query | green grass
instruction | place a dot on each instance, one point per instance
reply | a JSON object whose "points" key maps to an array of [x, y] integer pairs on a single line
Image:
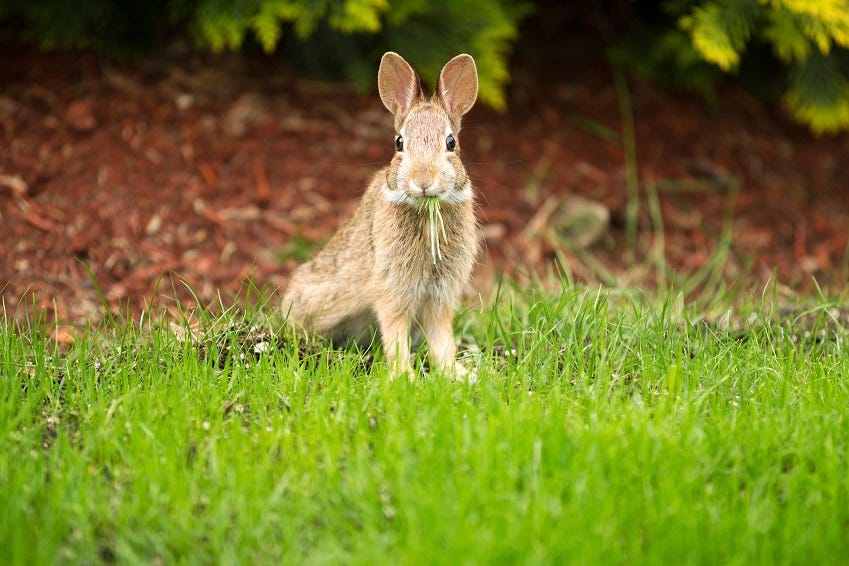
{"points": [[603, 428]]}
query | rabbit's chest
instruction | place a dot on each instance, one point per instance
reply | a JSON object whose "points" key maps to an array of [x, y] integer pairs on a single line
{"points": [[419, 276], [421, 265], [426, 287]]}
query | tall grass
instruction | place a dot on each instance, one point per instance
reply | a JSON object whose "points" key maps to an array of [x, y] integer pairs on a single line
{"points": [[604, 427]]}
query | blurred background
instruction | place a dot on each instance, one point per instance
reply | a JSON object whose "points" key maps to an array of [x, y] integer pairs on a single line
{"points": [[192, 150]]}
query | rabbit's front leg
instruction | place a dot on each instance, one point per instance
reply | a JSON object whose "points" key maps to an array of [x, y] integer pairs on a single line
{"points": [[395, 336], [439, 332]]}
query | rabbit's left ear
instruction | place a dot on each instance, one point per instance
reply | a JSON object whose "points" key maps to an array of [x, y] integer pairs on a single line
{"points": [[458, 86]]}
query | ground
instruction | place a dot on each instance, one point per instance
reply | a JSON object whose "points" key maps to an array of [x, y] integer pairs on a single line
{"points": [[186, 175]]}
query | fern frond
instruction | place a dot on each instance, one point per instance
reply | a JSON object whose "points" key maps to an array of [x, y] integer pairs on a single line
{"points": [[266, 27], [822, 21], [819, 94], [356, 16], [786, 33], [720, 31]]}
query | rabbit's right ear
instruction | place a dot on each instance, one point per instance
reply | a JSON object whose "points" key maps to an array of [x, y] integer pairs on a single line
{"points": [[398, 84], [458, 86]]}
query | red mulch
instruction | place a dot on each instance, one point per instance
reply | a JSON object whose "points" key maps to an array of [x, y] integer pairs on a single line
{"points": [[216, 170]]}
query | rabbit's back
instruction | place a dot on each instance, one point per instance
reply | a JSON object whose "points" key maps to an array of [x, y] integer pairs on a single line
{"points": [[332, 289]]}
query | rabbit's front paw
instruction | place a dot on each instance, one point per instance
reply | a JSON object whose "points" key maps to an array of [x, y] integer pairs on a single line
{"points": [[459, 372], [401, 370]]}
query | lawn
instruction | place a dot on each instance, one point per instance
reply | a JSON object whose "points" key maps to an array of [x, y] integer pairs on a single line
{"points": [[604, 427]]}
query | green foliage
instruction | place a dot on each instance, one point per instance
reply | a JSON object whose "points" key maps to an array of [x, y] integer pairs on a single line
{"points": [[720, 32], [809, 38], [691, 44], [427, 33], [326, 35], [819, 93], [224, 23]]}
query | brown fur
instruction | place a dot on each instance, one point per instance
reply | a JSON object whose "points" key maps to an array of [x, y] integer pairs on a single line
{"points": [[378, 267]]}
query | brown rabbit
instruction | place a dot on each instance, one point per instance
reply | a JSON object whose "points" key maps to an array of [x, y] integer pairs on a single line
{"points": [[378, 267]]}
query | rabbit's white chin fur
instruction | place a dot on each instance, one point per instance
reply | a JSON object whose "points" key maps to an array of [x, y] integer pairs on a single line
{"points": [[454, 196]]}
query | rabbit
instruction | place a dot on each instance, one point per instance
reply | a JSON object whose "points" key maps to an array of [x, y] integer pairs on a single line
{"points": [[377, 270]]}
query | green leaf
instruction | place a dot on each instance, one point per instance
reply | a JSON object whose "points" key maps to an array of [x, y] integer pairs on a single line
{"points": [[788, 38], [355, 16], [819, 94], [267, 28], [720, 31], [825, 20], [710, 38]]}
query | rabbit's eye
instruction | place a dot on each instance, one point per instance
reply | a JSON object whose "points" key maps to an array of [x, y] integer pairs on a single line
{"points": [[399, 143], [450, 143]]}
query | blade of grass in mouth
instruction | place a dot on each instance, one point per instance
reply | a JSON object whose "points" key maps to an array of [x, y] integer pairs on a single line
{"points": [[436, 226]]}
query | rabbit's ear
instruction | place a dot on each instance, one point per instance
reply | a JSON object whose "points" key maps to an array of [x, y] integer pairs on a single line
{"points": [[397, 83], [458, 85]]}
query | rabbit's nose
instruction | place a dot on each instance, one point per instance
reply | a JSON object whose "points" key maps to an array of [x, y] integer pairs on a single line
{"points": [[423, 180]]}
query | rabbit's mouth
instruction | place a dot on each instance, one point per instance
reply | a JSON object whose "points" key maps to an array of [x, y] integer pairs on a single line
{"points": [[420, 200], [427, 189], [419, 196], [416, 198]]}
